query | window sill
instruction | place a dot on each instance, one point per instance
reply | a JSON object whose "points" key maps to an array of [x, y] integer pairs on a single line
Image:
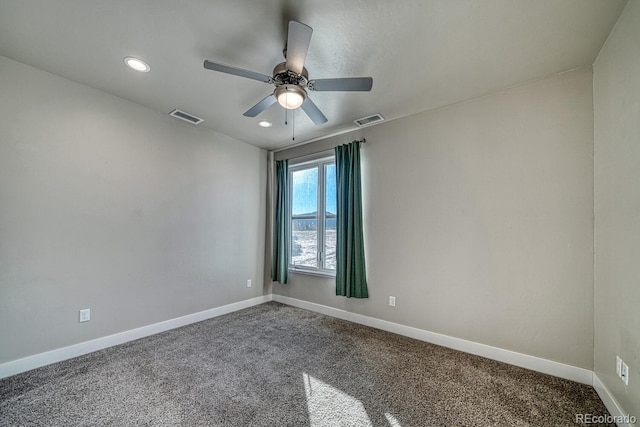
{"points": [[326, 275]]}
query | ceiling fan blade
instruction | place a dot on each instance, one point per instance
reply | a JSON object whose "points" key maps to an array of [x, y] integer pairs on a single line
{"points": [[313, 112], [216, 66], [348, 84], [297, 45], [260, 106]]}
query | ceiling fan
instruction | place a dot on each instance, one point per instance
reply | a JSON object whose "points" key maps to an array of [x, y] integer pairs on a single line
{"points": [[291, 79]]}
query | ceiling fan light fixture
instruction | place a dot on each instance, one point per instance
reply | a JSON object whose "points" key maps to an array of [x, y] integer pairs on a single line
{"points": [[290, 96], [137, 64]]}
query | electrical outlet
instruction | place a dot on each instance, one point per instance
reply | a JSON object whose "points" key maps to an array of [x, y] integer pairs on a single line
{"points": [[392, 301], [618, 366], [625, 373], [85, 315], [248, 283]]}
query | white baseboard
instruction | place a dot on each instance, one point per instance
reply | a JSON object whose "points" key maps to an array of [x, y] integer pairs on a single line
{"points": [[31, 362], [573, 373], [610, 402], [557, 369]]}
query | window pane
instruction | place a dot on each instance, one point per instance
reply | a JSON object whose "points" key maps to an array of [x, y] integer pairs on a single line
{"points": [[304, 224], [330, 219], [305, 192], [304, 250]]}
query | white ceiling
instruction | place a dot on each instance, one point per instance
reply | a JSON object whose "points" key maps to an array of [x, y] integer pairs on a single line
{"points": [[421, 53]]}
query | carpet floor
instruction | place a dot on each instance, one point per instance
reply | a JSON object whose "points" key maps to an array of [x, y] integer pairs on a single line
{"points": [[276, 365]]}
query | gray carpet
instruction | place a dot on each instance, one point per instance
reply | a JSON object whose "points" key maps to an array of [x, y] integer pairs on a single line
{"points": [[275, 365]]}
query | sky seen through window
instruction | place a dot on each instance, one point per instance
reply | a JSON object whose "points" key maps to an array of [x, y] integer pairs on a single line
{"points": [[305, 190]]}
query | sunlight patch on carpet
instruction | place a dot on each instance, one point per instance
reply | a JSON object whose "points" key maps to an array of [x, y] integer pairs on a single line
{"points": [[393, 421], [327, 405]]}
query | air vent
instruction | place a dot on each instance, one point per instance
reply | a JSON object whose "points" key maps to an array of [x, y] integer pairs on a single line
{"points": [[186, 117], [368, 121]]}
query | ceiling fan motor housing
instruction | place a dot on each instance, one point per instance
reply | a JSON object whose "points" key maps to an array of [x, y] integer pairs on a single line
{"points": [[284, 76]]}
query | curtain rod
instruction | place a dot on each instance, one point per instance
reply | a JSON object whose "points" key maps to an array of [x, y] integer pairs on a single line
{"points": [[362, 141], [303, 157], [320, 138]]}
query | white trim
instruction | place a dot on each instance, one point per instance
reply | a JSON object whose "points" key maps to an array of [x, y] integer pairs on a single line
{"points": [[609, 401], [327, 274], [319, 164], [301, 163], [573, 373], [31, 362], [557, 369]]}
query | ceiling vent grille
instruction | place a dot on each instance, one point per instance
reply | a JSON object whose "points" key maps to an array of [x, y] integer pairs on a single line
{"points": [[186, 117], [368, 121]]}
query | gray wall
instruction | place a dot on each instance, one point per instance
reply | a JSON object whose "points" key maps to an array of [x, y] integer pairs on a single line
{"points": [[478, 218], [616, 84], [108, 205]]}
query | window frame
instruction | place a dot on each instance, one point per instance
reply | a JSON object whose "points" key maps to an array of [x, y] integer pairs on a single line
{"points": [[321, 164]]}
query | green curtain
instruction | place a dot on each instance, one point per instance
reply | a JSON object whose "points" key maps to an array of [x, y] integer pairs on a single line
{"points": [[351, 280], [280, 256]]}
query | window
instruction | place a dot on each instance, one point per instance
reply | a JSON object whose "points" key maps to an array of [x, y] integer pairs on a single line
{"points": [[312, 215]]}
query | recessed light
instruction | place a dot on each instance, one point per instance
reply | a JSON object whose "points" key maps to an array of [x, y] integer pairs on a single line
{"points": [[137, 64], [265, 124]]}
